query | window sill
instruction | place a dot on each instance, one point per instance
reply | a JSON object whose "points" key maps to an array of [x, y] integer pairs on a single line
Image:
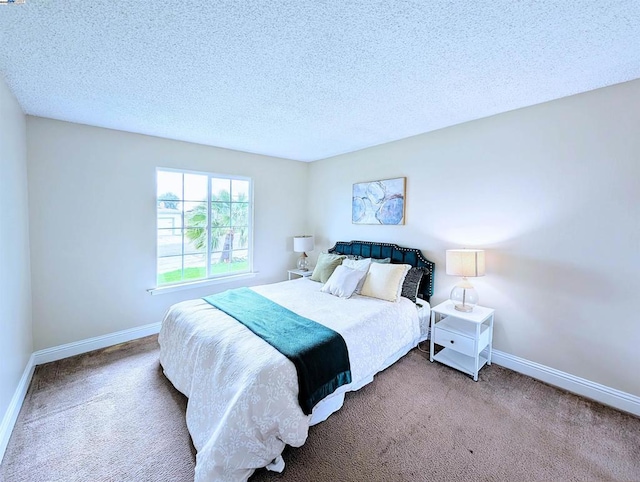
{"points": [[199, 284]]}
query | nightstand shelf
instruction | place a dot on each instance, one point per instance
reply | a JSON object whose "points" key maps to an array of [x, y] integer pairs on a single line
{"points": [[467, 338], [299, 272], [459, 361]]}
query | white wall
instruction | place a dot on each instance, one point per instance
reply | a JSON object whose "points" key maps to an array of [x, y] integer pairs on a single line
{"points": [[93, 228], [15, 289], [552, 192]]}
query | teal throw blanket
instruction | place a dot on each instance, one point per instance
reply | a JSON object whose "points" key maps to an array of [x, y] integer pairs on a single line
{"points": [[319, 354]]}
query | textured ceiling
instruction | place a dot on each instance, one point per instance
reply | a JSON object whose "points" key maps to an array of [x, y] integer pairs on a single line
{"points": [[307, 79]]}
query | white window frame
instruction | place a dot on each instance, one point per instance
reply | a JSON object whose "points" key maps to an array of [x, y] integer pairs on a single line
{"points": [[209, 278]]}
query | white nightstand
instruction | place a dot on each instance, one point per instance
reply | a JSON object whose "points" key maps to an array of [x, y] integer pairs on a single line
{"points": [[299, 272], [467, 337]]}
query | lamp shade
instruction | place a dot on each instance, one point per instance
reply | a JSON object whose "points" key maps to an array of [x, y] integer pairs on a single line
{"points": [[465, 262], [302, 244]]}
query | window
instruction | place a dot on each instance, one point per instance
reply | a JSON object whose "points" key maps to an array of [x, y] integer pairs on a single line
{"points": [[204, 224]]}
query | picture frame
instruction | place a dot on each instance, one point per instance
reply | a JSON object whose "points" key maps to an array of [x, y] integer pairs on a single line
{"points": [[379, 202]]}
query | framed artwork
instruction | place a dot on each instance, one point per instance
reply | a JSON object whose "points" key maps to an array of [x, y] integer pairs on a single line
{"points": [[378, 202]]}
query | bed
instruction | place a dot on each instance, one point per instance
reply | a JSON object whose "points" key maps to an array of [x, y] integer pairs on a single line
{"points": [[243, 394]]}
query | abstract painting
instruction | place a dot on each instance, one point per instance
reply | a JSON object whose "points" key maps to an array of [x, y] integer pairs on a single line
{"points": [[378, 202]]}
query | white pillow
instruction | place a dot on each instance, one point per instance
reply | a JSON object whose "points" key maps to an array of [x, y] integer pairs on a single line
{"points": [[343, 281], [384, 281], [360, 265]]}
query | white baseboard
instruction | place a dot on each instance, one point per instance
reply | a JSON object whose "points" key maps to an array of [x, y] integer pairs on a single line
{"points": [[11, 415], [580, 386], [83, 346]]}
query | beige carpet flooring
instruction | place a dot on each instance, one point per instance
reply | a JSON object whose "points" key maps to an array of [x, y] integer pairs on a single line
{"points": [[111, 415]]}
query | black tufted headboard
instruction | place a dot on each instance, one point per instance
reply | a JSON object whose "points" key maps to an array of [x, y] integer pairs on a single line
{"points": [[398, 255]]}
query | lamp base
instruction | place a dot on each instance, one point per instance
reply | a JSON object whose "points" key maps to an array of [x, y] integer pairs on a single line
{"points": [[463, 296], [302, 263], [465, 308]]}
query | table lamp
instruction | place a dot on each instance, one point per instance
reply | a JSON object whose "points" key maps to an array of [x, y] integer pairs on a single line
{"points": [[466, 263], [301, 244]]}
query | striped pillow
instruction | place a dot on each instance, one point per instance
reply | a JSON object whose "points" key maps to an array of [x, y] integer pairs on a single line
{"points": [[411, 284]]}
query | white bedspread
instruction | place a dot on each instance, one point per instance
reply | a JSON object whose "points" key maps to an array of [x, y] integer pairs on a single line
{"points": [[243, 393]]}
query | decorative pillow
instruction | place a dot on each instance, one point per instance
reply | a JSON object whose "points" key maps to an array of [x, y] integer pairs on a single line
{"points": [[361, 265], [343, 281], [325, 266], [411, 283], [381, 260], [384, 281]]}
